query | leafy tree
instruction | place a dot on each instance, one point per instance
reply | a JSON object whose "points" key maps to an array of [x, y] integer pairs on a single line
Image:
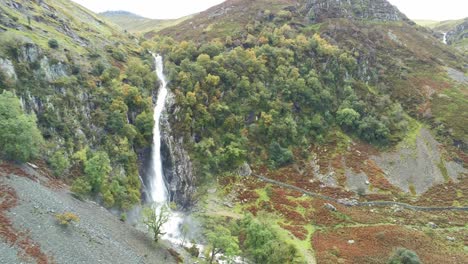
{"points": [[404, 256], [144, 123], [221, 241], [154, 218], [347, 117], [59, 163], [97, 170], [20, 139], [263, 245], [81, 187], [279, 156]]}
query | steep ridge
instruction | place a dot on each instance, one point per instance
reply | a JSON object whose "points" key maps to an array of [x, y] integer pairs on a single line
{"points": [[91, 88]]}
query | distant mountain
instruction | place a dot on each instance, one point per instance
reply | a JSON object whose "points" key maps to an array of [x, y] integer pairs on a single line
{"points": [[456, 32], [136, 24], [120, 13]]}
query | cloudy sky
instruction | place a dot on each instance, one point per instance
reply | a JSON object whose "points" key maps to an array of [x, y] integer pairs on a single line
{"points": [[414, 9]]}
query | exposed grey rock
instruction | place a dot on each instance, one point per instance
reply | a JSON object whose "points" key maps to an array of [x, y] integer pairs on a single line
{"points": [[245, 170], [432, 225], [419, 164], [356, 181], [377, 10], [98, 237], [178, 169], [52, 72], [457, 75], [451, 239], [330, 207], [29, 53], [459, 33], [6, 66]]}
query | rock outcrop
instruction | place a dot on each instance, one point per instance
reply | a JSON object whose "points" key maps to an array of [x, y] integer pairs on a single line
{"points": [[7, 68], [375, 10], [178, 169]]}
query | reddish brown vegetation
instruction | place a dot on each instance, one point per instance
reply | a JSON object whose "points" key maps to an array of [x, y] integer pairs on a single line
{"points": [[445, 194], [28, 249], [297, 230], [375, 245]]}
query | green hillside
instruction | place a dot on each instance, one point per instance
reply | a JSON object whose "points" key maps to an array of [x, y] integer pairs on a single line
{"points": [[137, 24], [90, 87], [294, 131]]}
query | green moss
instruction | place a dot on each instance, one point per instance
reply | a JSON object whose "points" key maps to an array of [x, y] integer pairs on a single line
{"points": [[443, 169], [451, 109], [412, 189], [409, 141]]}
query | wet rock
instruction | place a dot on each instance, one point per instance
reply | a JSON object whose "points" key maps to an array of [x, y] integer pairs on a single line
{"points": [[178, 169]]}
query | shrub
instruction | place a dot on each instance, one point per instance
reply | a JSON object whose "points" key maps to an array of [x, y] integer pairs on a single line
{"points": [[53, 44], [20, 139], [81, 187], [279, 156], [97, 169], [59, 163], [404, 256], [66, 218]]}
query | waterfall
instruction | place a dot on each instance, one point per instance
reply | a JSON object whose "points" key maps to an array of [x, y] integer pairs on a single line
{"points": [[444, 40], [158, 192]]}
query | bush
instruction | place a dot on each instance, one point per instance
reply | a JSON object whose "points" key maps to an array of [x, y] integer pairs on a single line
{"points": [[404, 256], [59, 163], [53, 44], [279, 156], [20, 139], [81, 187], [66, 218], [97, 169]]}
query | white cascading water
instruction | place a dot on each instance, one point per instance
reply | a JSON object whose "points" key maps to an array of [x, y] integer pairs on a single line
{"points": [[158, 191], [158, 187], [444, 40]]}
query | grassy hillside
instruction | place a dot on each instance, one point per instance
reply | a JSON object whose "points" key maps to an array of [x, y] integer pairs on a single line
{"points": [[310, 95], [90, 87], [427, 23], [137, 24]]}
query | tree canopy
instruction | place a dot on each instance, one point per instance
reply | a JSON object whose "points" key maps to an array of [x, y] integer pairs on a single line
{"points": [[20, 139]]}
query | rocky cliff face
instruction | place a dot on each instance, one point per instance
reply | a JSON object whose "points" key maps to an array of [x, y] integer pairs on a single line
{"points": [[459, 33], [375, 10], [178, 168]]}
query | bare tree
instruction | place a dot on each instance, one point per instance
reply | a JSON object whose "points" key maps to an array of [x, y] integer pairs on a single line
{"points": [[154, 218]]}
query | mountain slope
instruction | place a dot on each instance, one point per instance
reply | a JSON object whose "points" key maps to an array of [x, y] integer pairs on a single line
{"points": [[29, 203], [137, 24], [89, 86], [348, 99]]}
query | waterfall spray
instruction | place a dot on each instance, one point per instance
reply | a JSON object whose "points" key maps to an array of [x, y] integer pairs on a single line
{"points": [[157, 186]]}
